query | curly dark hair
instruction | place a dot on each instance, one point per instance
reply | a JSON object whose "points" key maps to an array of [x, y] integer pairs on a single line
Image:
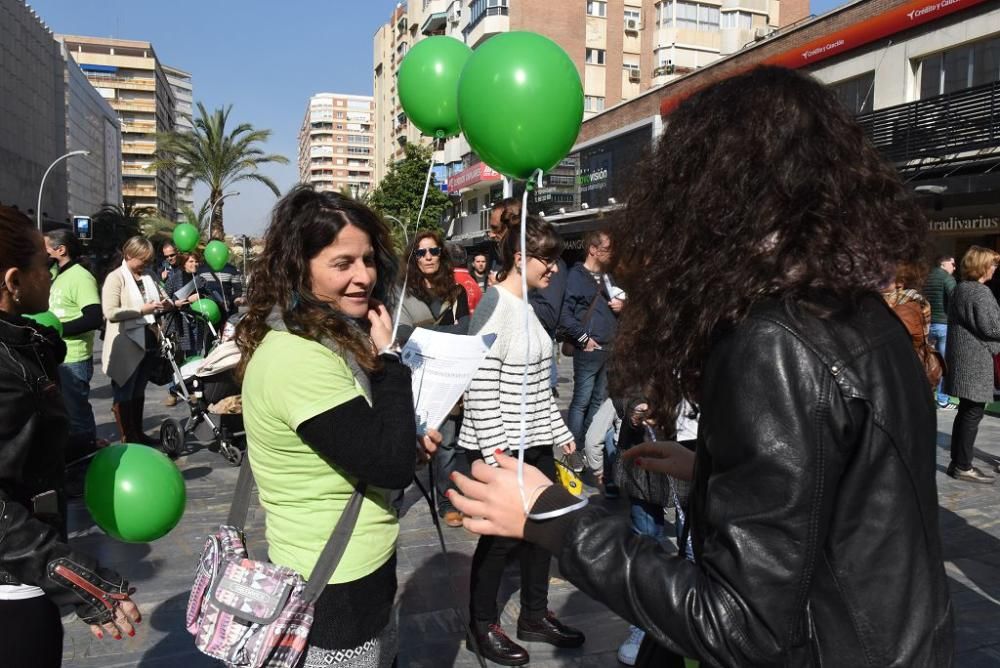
{"points": [[762, 186], [303, 223], [442, 284]]}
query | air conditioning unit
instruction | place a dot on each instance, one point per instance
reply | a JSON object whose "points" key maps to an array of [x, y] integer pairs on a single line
{"points": [[763, 31], [633, 75], [633, 25], [455, 13]]}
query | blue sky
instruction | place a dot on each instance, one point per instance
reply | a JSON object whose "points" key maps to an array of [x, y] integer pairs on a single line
{"points": [[262, 56]]}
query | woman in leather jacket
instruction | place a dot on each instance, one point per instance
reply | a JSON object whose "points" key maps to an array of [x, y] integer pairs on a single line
{"points": [[39, 571], [813, 510]]}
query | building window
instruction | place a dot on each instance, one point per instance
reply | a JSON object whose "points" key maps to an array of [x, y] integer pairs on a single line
{"points": [[687, 15], [855, 93], [960, 68], [480, 9], [595, 56], [740, 20], [633, 14], [597, 8], [593, 103]]}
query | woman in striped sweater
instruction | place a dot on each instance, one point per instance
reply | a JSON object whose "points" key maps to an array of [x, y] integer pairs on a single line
{"points": [[493, 422]]}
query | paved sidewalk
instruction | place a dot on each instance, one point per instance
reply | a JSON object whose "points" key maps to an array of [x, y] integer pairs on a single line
{"points": [[431, 589]]}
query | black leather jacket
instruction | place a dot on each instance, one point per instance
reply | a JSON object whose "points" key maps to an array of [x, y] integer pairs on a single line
{"points": [[814, 507], [34, 430]]}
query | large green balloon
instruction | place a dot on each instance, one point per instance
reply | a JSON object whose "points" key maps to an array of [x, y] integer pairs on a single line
{"points": [[216, 254], [520, 103], [134, 493], [428, 84], [48, 319], [185, 237], [208, 309]]}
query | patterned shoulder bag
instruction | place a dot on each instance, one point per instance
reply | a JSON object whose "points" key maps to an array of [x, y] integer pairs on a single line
{"points": [[255, 614]]}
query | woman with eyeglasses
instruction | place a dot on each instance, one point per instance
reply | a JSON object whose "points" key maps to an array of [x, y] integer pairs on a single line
{"points": [[434, 300], [493, 424], [39, 570], [130, 298]]}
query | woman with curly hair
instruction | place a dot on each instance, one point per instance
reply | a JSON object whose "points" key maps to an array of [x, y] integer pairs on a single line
{"points": [[327, 406], [434, 300], [813, 509]]}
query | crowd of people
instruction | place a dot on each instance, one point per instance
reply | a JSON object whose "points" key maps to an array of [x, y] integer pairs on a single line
{"points": [[777, 378]]}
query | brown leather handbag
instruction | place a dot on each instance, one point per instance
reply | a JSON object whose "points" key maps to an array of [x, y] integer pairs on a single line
{"points": [[911, 314]]}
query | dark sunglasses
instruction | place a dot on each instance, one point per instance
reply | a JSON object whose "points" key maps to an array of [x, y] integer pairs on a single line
{"points": [[420, 252], [171, 256]]}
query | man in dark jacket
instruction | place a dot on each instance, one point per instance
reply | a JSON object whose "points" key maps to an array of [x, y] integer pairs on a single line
{"points": [[589, 320], [940, 284]]}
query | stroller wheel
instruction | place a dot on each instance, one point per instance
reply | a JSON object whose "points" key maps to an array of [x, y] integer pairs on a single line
{"points": [[232, 454], [171, 437]]}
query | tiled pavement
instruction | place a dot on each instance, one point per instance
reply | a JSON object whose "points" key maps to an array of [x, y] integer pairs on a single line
{"points": [[431, 589]]}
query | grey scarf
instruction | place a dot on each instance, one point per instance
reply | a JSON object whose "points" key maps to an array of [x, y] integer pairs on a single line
{"points": [[276, 322]]}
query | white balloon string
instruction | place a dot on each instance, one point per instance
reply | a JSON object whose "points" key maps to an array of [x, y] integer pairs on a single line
{"points": [[406, 260], [522, 444]]}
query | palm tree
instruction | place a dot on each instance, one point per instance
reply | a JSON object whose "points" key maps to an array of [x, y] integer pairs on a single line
{"points": [[200, 218], [216, 157]]}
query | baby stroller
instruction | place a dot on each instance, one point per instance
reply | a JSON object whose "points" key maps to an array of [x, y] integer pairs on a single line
{"points": [[209, 389]]}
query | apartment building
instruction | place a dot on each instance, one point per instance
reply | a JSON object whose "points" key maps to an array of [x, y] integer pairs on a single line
{"points": [[337, 143], [622, 48], [182, 89], [128, 74]]}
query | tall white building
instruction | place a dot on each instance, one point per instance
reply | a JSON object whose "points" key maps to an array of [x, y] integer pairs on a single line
{"points": [[183, 92], [337, 143]]}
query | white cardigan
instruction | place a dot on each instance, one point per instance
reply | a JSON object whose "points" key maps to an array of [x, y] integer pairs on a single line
{"points": [[124, 336]]}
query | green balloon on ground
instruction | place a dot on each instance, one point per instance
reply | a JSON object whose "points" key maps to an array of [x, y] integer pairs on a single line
{"points": [[520, 103], [216, 254], [428, 84], [185, 237], [207, 309], [134, 493], [48, 319]]}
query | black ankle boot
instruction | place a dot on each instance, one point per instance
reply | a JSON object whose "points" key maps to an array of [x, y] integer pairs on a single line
{"points": [[495, 645], [549, 629]]}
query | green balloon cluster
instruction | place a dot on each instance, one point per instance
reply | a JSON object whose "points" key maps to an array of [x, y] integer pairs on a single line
{"points": [[517, 98], [185, 237], [428, 84], [47, 319], [207, 309], [134, 493], [520, 103], [216, 254]]}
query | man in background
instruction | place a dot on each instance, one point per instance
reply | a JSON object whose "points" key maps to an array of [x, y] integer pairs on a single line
{"points": [[938, 288], [473, 293]]}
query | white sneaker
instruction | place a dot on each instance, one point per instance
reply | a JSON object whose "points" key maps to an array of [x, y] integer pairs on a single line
{"points": [[629, 650]]}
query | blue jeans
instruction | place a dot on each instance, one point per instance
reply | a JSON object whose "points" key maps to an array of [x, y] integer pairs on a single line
{"points": [[647, 519], [74, 380], [590, 389], [445, 461], [610, 456], [938, 337]]}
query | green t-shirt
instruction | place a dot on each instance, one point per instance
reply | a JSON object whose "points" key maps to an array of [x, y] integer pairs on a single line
{"points": [[289, 380], [71, 291]]}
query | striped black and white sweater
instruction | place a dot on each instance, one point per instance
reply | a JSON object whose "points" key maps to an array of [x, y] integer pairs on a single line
{"points": [[493, 401]]}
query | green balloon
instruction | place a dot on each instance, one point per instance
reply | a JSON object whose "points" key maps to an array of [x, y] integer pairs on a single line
{"points": [[216, 254], [195, 358], [520, 103], [47, 319], [207, 309], [428, 84], [185, 237], [134, 493]]}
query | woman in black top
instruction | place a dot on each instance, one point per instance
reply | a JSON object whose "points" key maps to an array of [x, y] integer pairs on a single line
{"points": [[38, 569]]}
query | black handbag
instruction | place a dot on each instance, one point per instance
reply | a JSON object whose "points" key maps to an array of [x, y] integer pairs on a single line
{"points": [[159, 371], [643, 485]]}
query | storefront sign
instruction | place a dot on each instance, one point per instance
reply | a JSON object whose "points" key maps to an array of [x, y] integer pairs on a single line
{"points": [[470, 176], [954, 224]]}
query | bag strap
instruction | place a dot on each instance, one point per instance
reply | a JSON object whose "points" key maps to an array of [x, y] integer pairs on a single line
{"points": [[590, 309], [335, 546]]}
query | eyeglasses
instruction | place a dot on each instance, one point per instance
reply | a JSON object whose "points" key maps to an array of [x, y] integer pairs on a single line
{"points": [[603, 249], [550, 263], [171, 256], [420, 252]]}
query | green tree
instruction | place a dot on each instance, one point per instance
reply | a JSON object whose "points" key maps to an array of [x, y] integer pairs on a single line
{"points": [[216, 157], [400, 192]]}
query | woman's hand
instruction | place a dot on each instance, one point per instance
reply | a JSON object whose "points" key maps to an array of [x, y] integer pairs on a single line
{"points": [[126, 618], [381, 321], [569, 448], [427, 445], [149, 308], [667, 457], [639, 412], [491, 499]]}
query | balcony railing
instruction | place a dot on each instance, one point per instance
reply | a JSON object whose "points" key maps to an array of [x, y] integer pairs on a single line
{"points": [[941, 126]]}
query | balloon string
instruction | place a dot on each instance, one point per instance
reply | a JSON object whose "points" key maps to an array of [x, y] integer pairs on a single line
{"points": [[406, 238]]}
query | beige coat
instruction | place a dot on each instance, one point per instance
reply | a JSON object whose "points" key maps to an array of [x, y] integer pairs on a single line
{"points": [[122, 352]]}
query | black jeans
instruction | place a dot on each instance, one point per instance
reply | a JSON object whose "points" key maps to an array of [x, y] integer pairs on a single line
{"points": [[964, 431], [31, 635], [491, 556]]}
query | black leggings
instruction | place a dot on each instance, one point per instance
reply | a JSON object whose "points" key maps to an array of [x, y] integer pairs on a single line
{"points": [[31, 635], [964, 431], [491, 556]]}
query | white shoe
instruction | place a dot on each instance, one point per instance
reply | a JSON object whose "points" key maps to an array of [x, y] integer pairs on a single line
{"points": [[629, 650]]}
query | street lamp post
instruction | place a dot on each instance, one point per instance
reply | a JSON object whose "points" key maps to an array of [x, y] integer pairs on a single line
{"points": [[41, 188], [406, 233], [211, 208]]}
